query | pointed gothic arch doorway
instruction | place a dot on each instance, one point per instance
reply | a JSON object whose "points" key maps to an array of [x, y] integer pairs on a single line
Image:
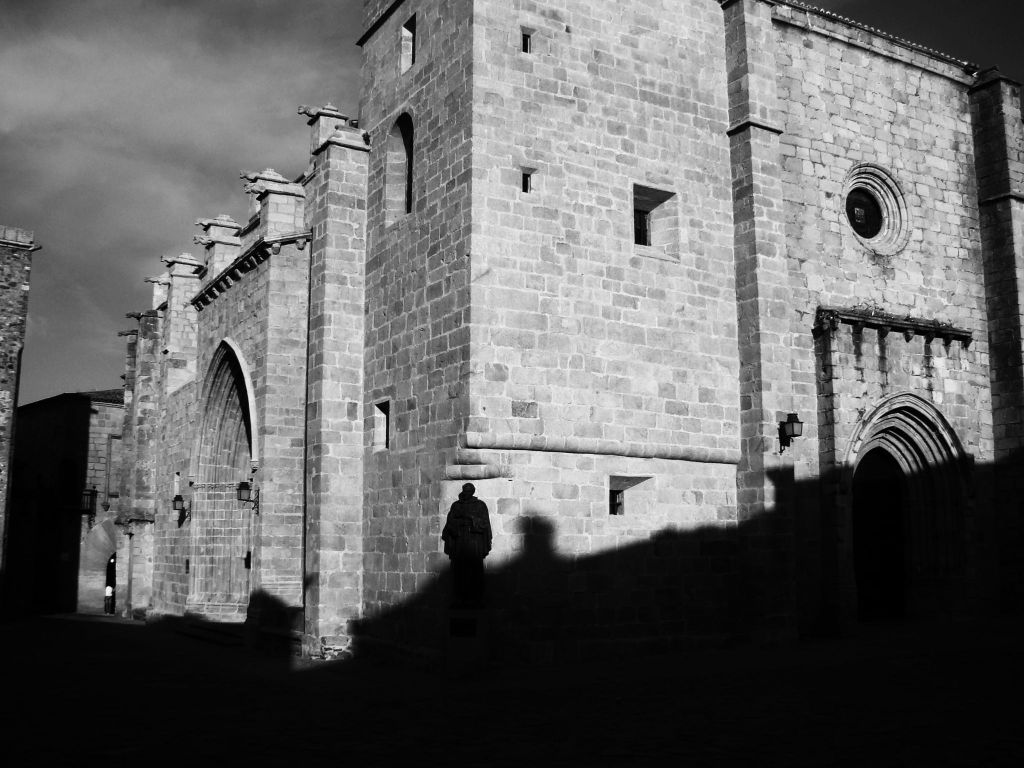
{"points": [[879, 537], [223, 530], [903, 532]]}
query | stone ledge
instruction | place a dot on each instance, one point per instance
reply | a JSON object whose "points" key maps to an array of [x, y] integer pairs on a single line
{"points": [[595, 446]]}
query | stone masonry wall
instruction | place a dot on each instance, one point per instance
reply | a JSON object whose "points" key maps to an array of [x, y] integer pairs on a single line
{"points": [[417, 296], [16, 246], [594, 358], [851, 98]]}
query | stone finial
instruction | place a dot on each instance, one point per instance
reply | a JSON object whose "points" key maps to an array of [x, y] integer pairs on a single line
{"points": [[328, 125]]}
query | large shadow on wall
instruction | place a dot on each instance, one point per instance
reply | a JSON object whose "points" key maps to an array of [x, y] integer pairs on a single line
{"points": [[789, 704], [47, 511], [855, 548]]}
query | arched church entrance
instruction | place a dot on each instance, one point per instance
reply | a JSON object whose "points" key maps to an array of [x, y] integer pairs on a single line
{"points": [[222, 528], [880, 537], [905, 543]]}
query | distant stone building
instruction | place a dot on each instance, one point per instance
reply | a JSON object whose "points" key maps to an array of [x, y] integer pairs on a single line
{"points": [[64, 504], [603, 260], [16, 247]]}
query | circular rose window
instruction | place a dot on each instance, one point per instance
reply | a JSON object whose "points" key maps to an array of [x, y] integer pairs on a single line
{"points": [[876, 209]]}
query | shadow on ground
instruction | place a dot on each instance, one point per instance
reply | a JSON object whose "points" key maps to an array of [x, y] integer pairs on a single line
{"points": [[921, 694]]}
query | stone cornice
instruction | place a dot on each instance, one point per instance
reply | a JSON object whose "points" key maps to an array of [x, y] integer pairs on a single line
{"points": [[252, 257], [346, 139], [593, 445], [828, 319], [15, 237], [30, 247], [797, 5]]}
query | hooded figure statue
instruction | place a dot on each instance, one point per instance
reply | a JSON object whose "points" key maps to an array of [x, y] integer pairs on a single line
{"points": [[467, 540]]}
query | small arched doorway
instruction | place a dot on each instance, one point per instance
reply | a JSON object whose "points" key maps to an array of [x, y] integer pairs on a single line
{"points": [[879, 537], [904, 544], [110, 590]]}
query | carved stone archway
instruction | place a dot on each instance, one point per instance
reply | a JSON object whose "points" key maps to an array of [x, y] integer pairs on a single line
{"points": [[222, 528], [913, 434]]}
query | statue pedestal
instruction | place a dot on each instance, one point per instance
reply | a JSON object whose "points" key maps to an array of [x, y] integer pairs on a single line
{"points": [[466, 651]]}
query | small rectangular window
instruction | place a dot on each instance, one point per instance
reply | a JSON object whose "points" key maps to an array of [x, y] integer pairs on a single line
{"points": [[656, 219], [186, 565], [527, 41], [619, 486], [382, 425], [527, 185], [409, 43]]}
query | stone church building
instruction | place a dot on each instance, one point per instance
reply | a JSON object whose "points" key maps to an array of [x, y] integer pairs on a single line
{"points": [[717, 303]]}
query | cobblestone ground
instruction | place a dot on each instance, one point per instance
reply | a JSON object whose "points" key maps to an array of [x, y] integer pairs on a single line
{"points": [[86, 690]]}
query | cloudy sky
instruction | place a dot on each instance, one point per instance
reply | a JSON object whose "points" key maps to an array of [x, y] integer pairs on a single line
{"points": [[122, 121]]}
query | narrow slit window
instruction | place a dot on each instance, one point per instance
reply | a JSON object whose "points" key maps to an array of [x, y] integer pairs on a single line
{"points": [[382, 425], [641, 227], [398, 179], [616, 502], [526, 40], [527, 180], [409, 44]]}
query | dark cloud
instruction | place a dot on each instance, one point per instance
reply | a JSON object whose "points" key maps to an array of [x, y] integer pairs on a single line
{"points": [[123, 121]]}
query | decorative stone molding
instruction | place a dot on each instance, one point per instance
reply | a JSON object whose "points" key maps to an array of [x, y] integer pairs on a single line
{"points": [[184, 259], [876, 182], [491, 441], [256, 254], [269, 181], [828, 319], [327, 110], [799, 14]]}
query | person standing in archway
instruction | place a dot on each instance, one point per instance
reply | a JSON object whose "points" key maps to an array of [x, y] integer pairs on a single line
{"points": [[467, 541]]}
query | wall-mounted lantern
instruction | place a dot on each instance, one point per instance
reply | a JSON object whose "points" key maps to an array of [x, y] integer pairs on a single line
{"points": [[182, 507], [789, 430], [245, 492]]}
